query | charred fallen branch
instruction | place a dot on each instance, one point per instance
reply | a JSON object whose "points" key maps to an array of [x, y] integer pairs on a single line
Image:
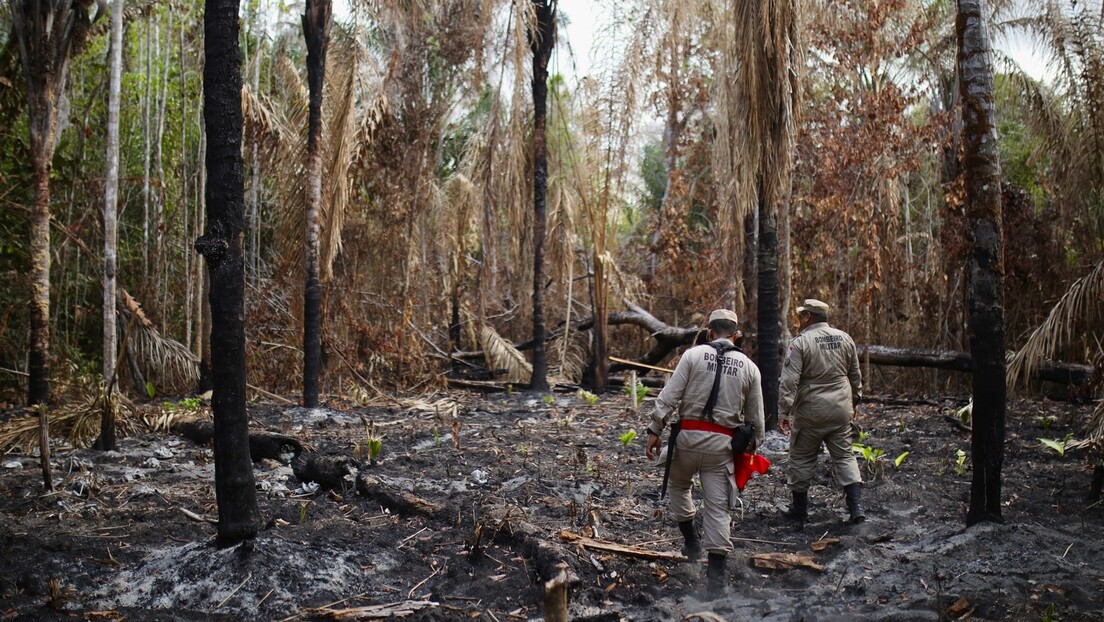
{"points": [[668, 338], [1051, 371]]}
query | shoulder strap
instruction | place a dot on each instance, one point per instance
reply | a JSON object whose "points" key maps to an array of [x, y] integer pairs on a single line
{"points": [[722, 349]]}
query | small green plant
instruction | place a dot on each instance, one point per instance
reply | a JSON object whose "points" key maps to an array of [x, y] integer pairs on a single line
{"points": [[1056, 445], [437, 435], [548, 400], [1048, 615], [303, 511], [627, 438], [588, 397], [966, 414], [1044, 422], [899, 459], [871, 455], [524, 450], [960, 462], [635, 390], [372, 444], [151, 391], [188, 403]]}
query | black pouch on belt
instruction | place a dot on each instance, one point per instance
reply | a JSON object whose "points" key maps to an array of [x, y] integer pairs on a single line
{"points": [[741, 438]]}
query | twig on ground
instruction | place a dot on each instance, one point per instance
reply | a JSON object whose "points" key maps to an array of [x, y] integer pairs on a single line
{"points": [[231, 594]]}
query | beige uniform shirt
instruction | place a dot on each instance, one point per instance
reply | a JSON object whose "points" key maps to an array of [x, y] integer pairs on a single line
{"points": [[820, 379], [739, 397]]}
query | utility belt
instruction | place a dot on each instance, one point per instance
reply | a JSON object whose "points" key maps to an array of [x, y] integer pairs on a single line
{"points": [[705, 426]]}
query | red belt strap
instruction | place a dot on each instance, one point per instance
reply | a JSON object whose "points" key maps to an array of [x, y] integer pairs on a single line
{"points": [[705, 426]]}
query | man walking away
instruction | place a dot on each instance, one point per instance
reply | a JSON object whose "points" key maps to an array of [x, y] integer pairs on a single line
{"points": [[715, 388], [820, 386]]}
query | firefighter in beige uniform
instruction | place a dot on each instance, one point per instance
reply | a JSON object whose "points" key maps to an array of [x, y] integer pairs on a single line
{"points": [[820, 386], [704, 445]]}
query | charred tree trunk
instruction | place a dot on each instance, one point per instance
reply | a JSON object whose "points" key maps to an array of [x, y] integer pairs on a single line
{"points": [[316, 29], [541, 42], [981, 166], [221, 246], [769, 330]]}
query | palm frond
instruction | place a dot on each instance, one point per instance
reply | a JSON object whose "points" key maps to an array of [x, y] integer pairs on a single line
{"points": [[502, 355], [341, 147], [166, 363], [568, 354], [1080, 310]]}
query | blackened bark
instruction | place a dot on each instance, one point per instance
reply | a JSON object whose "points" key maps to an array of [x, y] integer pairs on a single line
{"points": [[221, 246], [981, 167], [316, 30], [769, 329], [541, 43]]}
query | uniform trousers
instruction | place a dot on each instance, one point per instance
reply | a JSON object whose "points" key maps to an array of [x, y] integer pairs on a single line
{"points": [[805, 447]]}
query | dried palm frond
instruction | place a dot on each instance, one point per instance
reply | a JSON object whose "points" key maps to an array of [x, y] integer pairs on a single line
{"points": [[341, 148], [502, 355], [567, 358], [166, 363], [77, 422], [1079, 310]]}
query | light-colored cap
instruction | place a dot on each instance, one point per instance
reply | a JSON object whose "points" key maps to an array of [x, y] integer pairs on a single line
{"points": [[814, 306], [724, 314]]}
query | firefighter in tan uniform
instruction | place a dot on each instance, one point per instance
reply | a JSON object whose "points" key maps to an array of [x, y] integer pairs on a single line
{"points": [[820, 386], [704, 442]]}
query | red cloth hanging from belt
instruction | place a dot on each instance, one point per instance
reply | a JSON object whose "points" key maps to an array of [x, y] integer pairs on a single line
{"points": [[748, 465]]}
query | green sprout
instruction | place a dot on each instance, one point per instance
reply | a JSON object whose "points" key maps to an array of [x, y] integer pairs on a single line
{"points": [[872, 455], [899, 459], [303, 511], [588, 397], [1056, 445], [960, 462], [375, 445], [635, 390], [548, 400], [627, 438], [372, 443]]}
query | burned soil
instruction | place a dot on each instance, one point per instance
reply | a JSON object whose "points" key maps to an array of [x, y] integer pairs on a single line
{"points": [[473, 502]]}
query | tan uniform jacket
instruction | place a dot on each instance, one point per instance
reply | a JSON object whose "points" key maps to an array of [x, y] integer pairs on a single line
{"points": [[739, 398], [820, 380]]}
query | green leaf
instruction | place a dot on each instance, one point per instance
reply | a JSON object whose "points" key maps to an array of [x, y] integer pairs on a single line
{"points": [[899, 459], [1058, 446], [150, 391]]}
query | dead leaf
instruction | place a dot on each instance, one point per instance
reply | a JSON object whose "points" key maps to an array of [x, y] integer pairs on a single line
{"points": [[784, 561], [959, 608], [821, 545]]}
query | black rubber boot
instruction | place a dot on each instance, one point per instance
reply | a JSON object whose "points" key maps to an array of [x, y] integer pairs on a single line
{"points": [[800, 508], [692, 549], [715, 575], [854, 502]]}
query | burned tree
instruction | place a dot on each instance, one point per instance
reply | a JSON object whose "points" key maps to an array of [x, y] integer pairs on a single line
{"points": [[221, 246]]}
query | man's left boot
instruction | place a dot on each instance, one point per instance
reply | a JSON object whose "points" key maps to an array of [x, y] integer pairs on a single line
{"points": [[715, 575], [692, 548], [854, 502]]}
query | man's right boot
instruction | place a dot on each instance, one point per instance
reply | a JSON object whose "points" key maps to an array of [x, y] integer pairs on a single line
{"points": [[692, 548], [800, 508], [715, 575], [854, 503]]}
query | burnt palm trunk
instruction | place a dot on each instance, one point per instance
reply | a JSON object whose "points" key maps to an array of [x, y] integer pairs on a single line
{"points": [[221, 247], [541, 43], [981, 167], [316, 30], [769, 330]]}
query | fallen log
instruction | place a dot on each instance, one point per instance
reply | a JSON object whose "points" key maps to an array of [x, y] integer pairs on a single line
{"points": [[1052, 371], [668, 338], [396, 500]]}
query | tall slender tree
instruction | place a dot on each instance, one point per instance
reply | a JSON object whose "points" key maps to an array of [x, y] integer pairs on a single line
{"points": [[48, 32], [221, 247], [541, 41], [111, 188], [316, 30], [981, 168]]}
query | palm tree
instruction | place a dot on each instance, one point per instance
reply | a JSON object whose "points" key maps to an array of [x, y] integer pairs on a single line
{"points": [[316, 30], [767, 32], [221, 246], [48, 34], [541, 40], [981, 167]]}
